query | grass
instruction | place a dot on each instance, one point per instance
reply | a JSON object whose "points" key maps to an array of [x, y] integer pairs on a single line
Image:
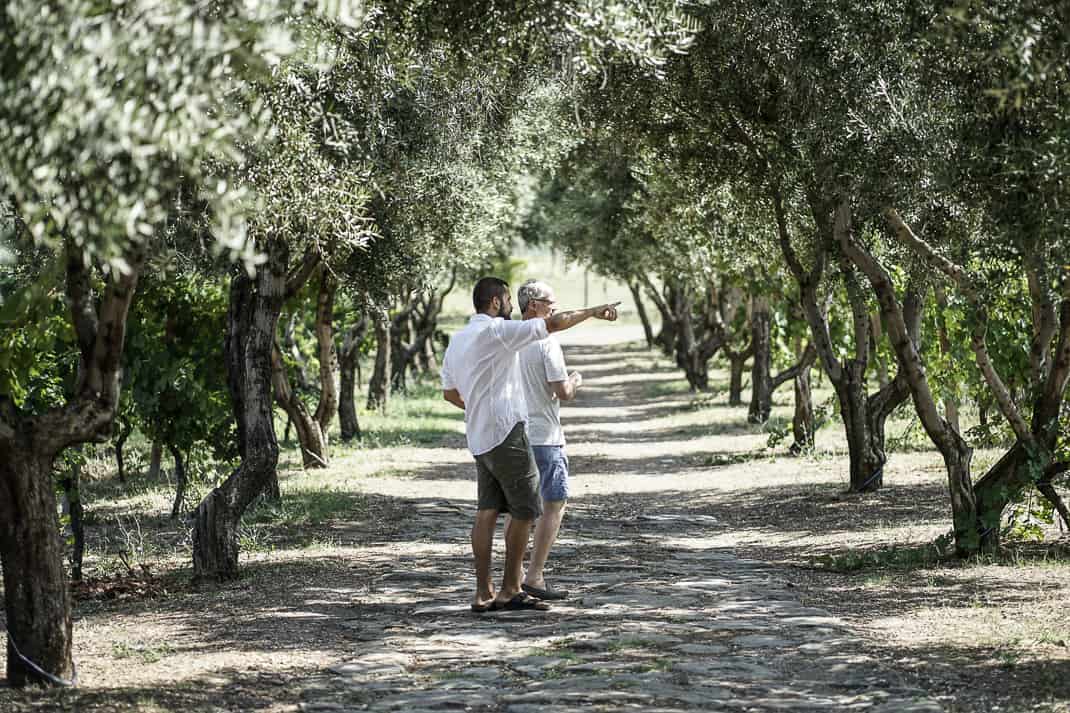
{"points": [[881, 559], [144, 653], [659, 389], [309, 505]]}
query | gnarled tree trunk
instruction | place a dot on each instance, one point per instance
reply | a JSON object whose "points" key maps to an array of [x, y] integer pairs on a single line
{"points": [[666, 336], [180, 481], [737, 364], [640, 309], [761, 380], [72, 506], [379, 384], [253, 316], [803, 426], [120, 442], [155, 461], [309, 434], [863, 415], [1031, 461], [903, 323], [402, 336], [36, 599], [347, 374]]}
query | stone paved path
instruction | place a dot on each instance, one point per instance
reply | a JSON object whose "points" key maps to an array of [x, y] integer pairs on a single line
{"points": [[656, 623]]}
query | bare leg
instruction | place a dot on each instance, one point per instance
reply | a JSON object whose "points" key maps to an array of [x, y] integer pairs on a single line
{"points": [[482, 544], [545, 535], [516, 542]]}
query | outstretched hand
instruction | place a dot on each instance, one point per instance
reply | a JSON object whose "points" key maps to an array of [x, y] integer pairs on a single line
{"points": [[607, 312]]}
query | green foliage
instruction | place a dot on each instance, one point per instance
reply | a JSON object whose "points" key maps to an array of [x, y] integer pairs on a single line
{"points": [[177, 392], [110, 114]]}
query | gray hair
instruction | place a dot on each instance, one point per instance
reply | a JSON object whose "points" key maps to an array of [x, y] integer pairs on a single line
{"points": [[532, 290]]}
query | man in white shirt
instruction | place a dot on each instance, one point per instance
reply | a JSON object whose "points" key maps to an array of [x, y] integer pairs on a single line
{"points": [[546, 384], [481, 374]]}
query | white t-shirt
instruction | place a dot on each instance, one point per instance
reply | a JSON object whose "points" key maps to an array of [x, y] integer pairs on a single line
{"points": [[483, 363], [541, 363]]}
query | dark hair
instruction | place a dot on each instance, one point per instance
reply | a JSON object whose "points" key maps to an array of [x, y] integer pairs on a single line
{"points": [[486, 290]]}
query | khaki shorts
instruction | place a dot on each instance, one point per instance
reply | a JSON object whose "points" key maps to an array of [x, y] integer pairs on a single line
{"points": [[508, 478]]}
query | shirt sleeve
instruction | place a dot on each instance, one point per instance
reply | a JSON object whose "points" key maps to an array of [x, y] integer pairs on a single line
{"points": [[447, 373], [553, 361], [515, 335]]}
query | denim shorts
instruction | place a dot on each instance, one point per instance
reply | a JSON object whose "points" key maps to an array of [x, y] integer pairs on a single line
{"points": [[553, 472]]}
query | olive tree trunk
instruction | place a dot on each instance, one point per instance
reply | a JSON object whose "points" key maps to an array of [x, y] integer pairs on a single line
{"points": [[120, 443], [75, 511], [180, 481], [379, 383], [803, 426], [252, 319], [956, 452], [36, 599], [348, 363], [863, 414], [1031, 461], [666, 336], [155, 461], [312, 428], [761, 379], [640, 309]]}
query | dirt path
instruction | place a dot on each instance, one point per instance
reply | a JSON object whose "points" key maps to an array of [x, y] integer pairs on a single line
{"points": [[660, 618]]}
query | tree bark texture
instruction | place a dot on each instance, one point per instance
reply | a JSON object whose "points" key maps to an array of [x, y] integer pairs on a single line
{"points": [[37, 602], [379, 383], [36, 598], [761, 382], [120, 442], [253, 314], [640, 309], [956, 452], [347, 374], [180, 481], [863, 416], [155, 461], [72, 497], [310, 436], [803, 427]]}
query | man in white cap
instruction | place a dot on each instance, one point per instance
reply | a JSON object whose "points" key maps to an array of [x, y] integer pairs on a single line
{"points": [[481, 374], [546, 384]]}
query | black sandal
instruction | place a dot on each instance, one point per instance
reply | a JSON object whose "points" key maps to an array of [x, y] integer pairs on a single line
{"points": [[522, 601]]}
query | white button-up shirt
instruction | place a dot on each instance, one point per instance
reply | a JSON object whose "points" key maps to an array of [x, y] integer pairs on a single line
{"points": [[483, 363]]}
